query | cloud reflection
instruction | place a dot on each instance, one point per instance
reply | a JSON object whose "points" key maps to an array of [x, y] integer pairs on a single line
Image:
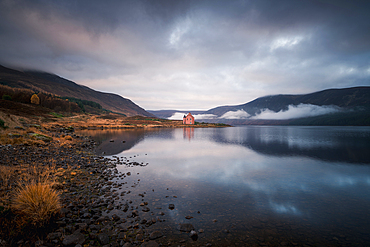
{"points": [[267, 165]]}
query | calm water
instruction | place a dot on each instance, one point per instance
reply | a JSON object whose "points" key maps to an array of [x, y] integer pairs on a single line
{"points": [[250, 185]]}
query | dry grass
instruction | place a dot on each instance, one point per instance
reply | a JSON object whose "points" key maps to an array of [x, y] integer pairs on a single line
{"points": [[32, 196], [24, 137], [36, 202], [6, 174]]}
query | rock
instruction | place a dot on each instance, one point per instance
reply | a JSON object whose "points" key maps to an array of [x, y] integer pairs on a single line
{"points": [[194, 235], [103, 238], [186, 227], [151, 243], [188, 217], [146, 209], [127, 245], [135, 213], [155, 235], [54, 235], [116, 217], [73, 239], [171, 206], [121, 235]]}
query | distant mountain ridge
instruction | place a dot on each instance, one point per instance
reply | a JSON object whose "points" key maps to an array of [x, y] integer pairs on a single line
{"points": [[346, 98], [51, 83], [346, 106]]}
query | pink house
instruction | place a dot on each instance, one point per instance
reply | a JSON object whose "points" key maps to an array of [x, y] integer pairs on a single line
{"points": [[189, 119]]}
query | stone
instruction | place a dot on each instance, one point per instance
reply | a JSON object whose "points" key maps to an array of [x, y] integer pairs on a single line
{"points": [[185, 227], [150, 243], [121, 235], [73, 239], [194, 235], [139, 237], [155, 235], [103, 238], [146, 209], [54, 235], [171, 206]]}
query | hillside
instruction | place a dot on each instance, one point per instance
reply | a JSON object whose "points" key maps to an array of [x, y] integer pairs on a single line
{"points": [[346, 106], [50, 83], [345, 98]]}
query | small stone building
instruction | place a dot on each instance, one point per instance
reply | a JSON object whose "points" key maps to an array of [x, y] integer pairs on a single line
{"points": [[189, 119]]}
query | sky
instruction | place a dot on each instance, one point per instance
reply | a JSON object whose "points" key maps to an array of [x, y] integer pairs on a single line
{"points": [[191, 55]]}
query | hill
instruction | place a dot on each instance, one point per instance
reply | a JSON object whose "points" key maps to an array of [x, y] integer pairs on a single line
{"points": [[53, 84], [346, 106], [346, 98]]}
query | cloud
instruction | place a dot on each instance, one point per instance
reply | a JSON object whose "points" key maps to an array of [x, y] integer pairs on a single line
{"points": [[191, 54], [299, 111], [239, 114]]}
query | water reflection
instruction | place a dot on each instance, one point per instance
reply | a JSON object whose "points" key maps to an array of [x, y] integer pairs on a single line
{"points": [[188, 133], [250, 178], [343, 144]]}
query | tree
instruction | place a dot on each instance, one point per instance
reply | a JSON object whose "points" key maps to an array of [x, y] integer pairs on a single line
{"points": [[35, 99]]}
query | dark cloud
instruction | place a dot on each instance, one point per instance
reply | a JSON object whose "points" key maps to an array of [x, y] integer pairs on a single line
{"points": [[163, 53]]}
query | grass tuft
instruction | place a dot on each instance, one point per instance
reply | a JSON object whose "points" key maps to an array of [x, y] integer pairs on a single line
{"points": [[37, 202]]}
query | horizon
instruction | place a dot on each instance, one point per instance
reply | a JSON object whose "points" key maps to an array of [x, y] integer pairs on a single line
{"points": [[190, 54]]}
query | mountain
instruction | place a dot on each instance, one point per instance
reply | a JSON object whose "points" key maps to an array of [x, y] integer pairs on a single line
{"points": [[346, 98], [53, 84], [346, 106]]}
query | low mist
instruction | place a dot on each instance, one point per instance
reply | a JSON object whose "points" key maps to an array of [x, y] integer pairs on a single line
{"points": [[180, 115], [239, 114], [299, 111]]}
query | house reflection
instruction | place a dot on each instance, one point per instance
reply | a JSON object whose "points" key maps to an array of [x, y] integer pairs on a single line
{"points": [[188, 133]]}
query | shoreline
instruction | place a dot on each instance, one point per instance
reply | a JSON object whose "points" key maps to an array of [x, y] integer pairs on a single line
{"points": [[87, 193]]}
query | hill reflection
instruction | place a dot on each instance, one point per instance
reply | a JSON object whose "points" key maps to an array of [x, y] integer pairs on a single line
{"points": [[333, 144]]}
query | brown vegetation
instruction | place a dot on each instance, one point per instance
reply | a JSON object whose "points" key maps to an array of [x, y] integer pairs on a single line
{"points": [[50, 101], [37, 202], [35, 99]]}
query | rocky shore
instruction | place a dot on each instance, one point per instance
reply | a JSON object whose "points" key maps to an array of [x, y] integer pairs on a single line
{"points": [[88, 189]]}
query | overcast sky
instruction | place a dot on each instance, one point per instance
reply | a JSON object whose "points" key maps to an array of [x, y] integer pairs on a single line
{"points": [[191, 54]]}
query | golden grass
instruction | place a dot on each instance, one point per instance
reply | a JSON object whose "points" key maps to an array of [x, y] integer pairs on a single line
{"points": [[6, 173], [37, 202], [24, 138]]}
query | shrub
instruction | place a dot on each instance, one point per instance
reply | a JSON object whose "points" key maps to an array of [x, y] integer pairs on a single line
{"points": [[2, 123], [35, 99], [6, 97], [37, 202], [56, 114]]}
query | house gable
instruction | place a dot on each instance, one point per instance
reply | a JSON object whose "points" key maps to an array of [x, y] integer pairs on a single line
{"points": [[188, 119]]}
